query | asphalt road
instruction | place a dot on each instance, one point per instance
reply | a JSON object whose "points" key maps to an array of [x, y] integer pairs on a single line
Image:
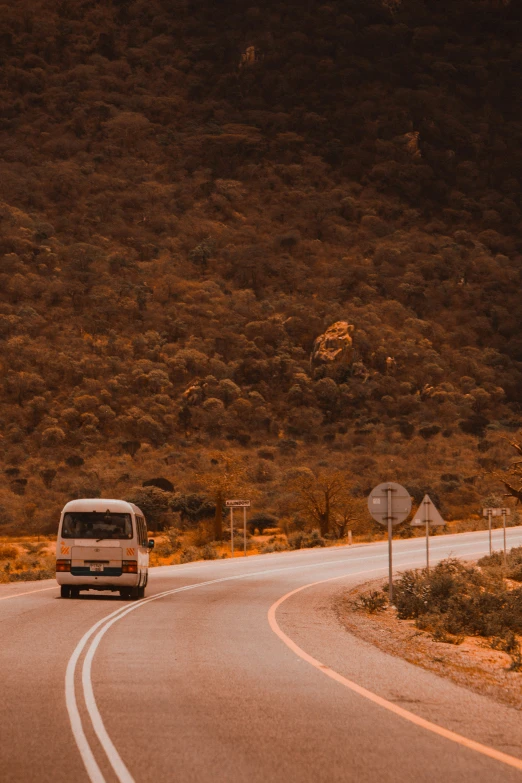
{"points": [[219, 675]]}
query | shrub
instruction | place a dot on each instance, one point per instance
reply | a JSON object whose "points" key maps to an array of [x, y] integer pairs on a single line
{"points": [[274, 545], [455, 600], [189, 554], [495, 562], [209, 552], [261, 521], [303, 540], [372, 602], [506, 643], [8, 552]]}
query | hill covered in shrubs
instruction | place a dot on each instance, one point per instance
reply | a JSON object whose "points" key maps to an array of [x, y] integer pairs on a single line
{"points": [[191, 193]]}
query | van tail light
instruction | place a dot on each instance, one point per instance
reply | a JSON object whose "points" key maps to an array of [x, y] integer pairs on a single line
{"points": [[130, 567], [63, 565]]}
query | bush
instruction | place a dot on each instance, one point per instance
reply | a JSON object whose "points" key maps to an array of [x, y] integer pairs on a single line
{"points": [[372, 602], [189, 555], [8, 552], [303, 540], [455, 600], [209, 552], [261, 521], [169, 544], [495, 561], [274, 546]]}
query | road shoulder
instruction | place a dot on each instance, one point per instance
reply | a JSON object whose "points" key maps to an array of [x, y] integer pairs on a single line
{"points": [[471, 664]]}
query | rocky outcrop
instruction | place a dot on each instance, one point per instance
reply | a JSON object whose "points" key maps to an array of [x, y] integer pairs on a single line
{"points": [[333, 351]]}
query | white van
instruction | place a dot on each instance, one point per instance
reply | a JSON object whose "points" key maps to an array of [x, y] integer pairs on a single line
{"points": [[102, 545]]}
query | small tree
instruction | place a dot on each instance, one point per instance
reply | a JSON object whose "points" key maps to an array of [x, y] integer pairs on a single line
{"points": [[511, 478], [225, 476], [260, 521], [351, 514], [154, 502], [320, 498]]}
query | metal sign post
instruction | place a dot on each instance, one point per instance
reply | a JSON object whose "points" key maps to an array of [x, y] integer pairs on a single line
{"points": [[389, 504], [504, 512], [426, 506], [232, 504], [496, 512], [428, 516], [390, 538]]}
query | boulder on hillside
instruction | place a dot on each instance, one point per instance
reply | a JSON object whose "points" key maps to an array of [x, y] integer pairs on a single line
{"points": [[333, 351]]}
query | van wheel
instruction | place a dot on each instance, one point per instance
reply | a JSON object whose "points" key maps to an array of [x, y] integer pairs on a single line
{"points": [[125, 593], [75, 592], [135, 593], [65, 591], [141, 592]]}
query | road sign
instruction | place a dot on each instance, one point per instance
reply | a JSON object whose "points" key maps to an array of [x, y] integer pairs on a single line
{"points": [[427, 512], [232, 504], [496, 512], [389, 502]]}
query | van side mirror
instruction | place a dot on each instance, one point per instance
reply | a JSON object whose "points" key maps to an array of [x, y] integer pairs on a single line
{"points": [[151, 543]]}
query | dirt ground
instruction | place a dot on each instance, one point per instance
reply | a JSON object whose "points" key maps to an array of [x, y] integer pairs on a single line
{"points": [[472, 664]]}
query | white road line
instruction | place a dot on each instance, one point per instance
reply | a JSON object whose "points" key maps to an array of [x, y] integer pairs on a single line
{"points": [[120, 770], [117, 764], [28, 592], [459, 739], [93, 770]]}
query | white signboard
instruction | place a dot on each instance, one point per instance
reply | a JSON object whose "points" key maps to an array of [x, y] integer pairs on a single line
{"points": [[237, 503], [496, 512]]}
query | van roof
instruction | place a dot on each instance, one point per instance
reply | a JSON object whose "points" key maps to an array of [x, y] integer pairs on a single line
{"points": [[101, 504]]}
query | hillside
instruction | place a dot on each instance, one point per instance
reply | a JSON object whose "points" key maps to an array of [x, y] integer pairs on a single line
{"points": [[191, 193]]}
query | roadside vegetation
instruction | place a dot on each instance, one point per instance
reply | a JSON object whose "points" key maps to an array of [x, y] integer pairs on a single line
{"points": [[455, 600], [26, 559]]}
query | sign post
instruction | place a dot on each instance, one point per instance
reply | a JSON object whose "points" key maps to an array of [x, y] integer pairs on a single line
{"points": [[232, 504], [389, 504], [504, 513], [427, 515], [496, 512]]}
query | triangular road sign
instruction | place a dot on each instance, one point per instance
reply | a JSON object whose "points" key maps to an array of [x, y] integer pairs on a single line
{"points": [[427, 511]]}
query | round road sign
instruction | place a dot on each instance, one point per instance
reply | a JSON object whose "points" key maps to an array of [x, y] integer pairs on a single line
{"points": [[389, 502]]}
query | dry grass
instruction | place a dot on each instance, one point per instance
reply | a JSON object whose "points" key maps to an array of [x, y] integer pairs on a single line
{"points": [[26, 559]]}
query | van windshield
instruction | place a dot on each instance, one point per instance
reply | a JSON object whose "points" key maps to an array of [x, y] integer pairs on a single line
{"points": [[96, 524]]}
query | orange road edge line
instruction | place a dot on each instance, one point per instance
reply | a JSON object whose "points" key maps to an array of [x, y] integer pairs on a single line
{"points": [[28, 592], [497, 755]]}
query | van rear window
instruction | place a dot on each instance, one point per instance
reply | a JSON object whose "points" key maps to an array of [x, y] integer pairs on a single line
{"points": [[96, 525]]}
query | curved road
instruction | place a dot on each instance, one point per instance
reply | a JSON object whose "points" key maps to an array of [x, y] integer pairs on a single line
{"points": [[236, 670]]}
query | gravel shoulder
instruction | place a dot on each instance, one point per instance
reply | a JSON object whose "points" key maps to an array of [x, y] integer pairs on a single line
{"points": [[471, 664]]}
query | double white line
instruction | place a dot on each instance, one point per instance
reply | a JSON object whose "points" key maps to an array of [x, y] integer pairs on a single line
{"points": [[91, 639], [101, 627], [94, 635]]}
